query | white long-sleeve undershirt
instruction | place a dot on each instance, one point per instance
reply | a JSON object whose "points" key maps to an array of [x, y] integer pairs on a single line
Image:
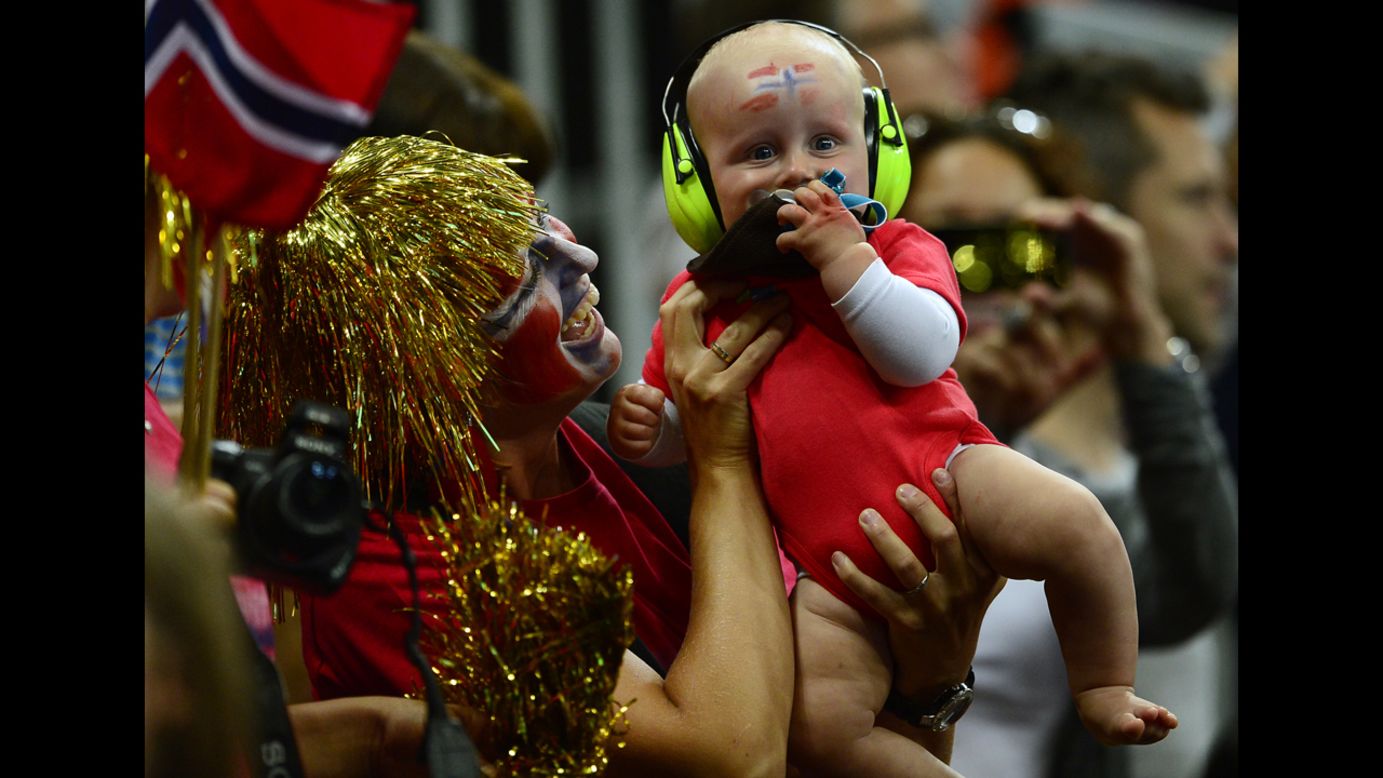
{"points": [[908, 334]]}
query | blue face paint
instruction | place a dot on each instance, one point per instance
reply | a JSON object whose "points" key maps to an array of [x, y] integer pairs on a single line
{"points": [[789, 82]]}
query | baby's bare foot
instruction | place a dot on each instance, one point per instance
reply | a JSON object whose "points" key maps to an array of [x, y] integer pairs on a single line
{"points": [[1118, 717]]}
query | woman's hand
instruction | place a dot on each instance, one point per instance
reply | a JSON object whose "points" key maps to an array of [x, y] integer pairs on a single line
{"points": [[708, 385], [932, 629]]}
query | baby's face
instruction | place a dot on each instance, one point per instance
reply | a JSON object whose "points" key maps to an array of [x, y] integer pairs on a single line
{"points": [[777, 114]]}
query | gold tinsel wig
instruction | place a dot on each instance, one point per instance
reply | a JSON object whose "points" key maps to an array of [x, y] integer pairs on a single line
{"points": [[373, 304]]}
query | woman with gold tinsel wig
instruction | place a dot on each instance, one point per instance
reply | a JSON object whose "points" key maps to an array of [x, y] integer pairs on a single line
{"points": [[429, 295]]}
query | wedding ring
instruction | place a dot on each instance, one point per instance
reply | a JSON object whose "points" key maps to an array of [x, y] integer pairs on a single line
{"points": [[922, 584], [722, 353]]}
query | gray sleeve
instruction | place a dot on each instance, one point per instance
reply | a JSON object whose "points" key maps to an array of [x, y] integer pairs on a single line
{"points": [[1185, 549]]}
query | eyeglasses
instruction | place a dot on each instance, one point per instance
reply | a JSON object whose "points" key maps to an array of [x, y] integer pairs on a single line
{"points": [[1003, 115]]}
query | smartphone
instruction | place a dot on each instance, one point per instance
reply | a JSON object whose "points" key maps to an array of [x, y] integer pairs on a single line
{"points": [[1006, 256]]}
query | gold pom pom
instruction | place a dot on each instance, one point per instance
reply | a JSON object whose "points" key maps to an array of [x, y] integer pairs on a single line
{"points": [[531, 630]]}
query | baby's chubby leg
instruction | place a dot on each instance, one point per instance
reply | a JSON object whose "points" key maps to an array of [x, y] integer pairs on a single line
{"points": [[1030, 522], [844, 672]]}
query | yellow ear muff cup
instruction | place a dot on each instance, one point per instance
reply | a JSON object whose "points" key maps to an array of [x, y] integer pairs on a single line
{"points": [[892, 172], [687, 204]]}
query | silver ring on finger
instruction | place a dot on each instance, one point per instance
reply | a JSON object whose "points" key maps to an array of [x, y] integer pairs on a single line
{"points": [[922, 584], [722, 354]]}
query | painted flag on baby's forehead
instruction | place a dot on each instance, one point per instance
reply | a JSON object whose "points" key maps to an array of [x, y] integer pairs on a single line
{"points": [[248, 102]]}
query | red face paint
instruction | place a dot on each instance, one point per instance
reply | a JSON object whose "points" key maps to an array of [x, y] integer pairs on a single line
{"points": [[533, 365], [787, 82], [760, 103]]}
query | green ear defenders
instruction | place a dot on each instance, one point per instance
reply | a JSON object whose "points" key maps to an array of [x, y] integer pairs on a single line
{"points": [[687, 186]]}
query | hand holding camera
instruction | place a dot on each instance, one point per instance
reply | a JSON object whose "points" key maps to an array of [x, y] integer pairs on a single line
{"points": [[1080, 289], [1112, 294]]}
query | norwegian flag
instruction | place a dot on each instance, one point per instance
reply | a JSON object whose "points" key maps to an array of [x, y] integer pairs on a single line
{"points": [[248, 102]]}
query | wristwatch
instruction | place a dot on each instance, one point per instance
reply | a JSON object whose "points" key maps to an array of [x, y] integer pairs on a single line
{"points": [[939, 714]]}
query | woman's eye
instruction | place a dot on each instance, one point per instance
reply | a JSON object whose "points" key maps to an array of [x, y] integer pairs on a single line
{"points": [[824, 143], [515, 309], [761, 153]]}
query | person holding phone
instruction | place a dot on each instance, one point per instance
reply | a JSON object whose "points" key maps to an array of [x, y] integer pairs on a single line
{"points": [[1082, 378]]}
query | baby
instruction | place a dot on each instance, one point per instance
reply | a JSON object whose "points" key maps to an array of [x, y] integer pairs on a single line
{"points": [[862, 398]]}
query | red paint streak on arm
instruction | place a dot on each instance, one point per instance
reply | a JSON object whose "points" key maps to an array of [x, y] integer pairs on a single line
{"points": [[760, 103], [803, 67], [767, 70]]}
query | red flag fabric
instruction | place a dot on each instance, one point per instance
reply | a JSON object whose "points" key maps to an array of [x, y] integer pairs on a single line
{"points": [[248, 102]]}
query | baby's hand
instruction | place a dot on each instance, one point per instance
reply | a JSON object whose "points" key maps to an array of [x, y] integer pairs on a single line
{"points": [[635, 418], [1117, 717], [823, 229]]}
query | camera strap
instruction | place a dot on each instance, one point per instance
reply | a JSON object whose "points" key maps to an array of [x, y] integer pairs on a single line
{"points": [[275, 752], [447, 749]]}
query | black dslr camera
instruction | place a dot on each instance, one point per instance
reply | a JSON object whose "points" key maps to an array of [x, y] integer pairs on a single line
{"points": [[299, 506]]}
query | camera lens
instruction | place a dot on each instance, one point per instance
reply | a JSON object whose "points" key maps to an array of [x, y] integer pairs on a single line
{"points": [[317, 493]]}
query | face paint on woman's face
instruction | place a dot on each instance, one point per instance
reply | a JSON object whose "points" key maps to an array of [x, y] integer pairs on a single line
{"points": [[552, 340]]}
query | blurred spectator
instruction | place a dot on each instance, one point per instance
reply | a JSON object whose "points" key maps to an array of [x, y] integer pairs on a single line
{"points": [[925, 67], [196, 710], [1136, 430], [1146, 152], [199, 687], [437, 87]]}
